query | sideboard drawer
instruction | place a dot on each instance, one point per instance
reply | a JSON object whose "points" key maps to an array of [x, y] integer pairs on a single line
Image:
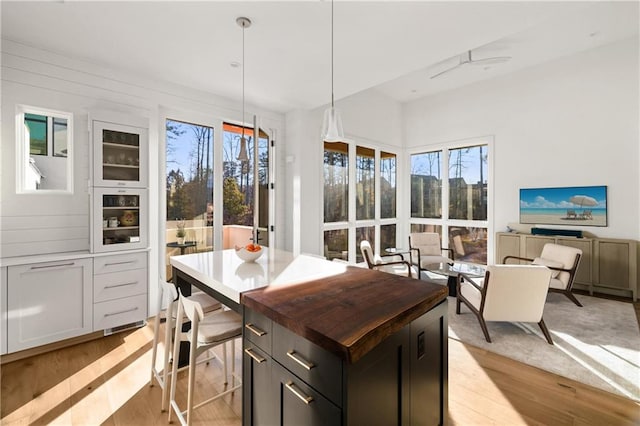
{"points": [[119, 284], [309, 361], [120, 262], [258, 329], [117, 312]]}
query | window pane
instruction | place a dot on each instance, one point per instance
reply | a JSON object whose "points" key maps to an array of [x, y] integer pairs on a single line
{"points": [[335, 244], [364, 233], [37, 126], [365, 183], [420, 227], [336, 182], [387, 237], [189, 186], [468, 183], [387, 185], [426, 185], [469, 244], [237, 192], [59, 137]]}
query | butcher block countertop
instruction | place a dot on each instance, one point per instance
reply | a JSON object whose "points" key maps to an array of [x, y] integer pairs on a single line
{"points": [[347, 313]]}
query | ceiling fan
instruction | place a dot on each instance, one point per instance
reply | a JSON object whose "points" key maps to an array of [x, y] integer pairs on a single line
{"points": [[466, 59]]}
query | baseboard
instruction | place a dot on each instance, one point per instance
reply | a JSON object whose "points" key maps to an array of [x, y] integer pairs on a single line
{"points": [[14, 356]]}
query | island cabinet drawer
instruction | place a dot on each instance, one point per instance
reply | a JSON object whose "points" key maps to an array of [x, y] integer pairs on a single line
{"points": [[316, 366], [118, 263], [300, 404], [114, 313], [258, 329], [119, 284]]}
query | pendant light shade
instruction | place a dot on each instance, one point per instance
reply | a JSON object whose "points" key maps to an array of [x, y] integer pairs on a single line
{"points": [[243, 155], [332, 126], [332, 122]]}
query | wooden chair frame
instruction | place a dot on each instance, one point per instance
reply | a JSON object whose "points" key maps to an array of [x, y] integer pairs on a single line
{"points": [[375, 266], [479, 313], [572, 275], [420, 268]]}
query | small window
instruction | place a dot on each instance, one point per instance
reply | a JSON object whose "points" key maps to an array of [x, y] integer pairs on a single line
{"points": [[43, 150]]}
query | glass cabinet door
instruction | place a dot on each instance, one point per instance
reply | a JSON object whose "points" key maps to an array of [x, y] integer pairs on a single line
{"points": [[120, 219], [120, 155]]}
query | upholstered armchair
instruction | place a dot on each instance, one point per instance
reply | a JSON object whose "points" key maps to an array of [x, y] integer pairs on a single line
{"points": [[513, 293], [425, 249], [563, 262], [391, 264]]}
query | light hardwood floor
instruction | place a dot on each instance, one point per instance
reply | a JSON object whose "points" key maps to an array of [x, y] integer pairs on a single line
{"points": [[106, 381]]}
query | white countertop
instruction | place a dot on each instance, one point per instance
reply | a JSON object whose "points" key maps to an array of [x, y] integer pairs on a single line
{"points": [[226, 273]]}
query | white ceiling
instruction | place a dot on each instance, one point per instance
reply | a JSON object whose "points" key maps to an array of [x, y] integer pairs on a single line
{"points": [[389, 45]]}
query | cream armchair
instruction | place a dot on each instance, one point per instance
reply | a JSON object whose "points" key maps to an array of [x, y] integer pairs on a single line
{"points": [[563, 262], [514, 293], [394, 264], [425, 249]]}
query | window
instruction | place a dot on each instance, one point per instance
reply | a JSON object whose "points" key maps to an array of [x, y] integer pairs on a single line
{"points": [[43, 150], [359, 199], [449, 196]]}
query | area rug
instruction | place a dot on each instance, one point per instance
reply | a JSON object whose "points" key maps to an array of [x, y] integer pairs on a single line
{"points": [[598, 344]]}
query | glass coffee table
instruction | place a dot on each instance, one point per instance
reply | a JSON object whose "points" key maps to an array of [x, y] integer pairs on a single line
{"points": [[450, 271]]}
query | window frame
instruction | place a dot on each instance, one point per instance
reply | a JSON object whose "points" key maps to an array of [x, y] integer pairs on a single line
{"points": [[444, 221], [23, 149], [352, 224]]}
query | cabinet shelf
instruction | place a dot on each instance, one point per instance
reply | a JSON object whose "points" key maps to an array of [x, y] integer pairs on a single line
{"points": [[120, 228], [121, 166], [121, 208], [120, 146]]}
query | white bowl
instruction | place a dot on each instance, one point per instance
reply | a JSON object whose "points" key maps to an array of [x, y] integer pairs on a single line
{"points": [[249, 256]]}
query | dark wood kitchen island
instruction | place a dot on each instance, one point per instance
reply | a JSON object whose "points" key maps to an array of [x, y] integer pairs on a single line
{"points": [[358, 347]]}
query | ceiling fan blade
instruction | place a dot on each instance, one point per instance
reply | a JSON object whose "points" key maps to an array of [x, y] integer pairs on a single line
{"points": [[448, 70], [490, 61]]}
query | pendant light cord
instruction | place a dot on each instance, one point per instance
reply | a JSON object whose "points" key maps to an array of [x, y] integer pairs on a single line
{"points": [[332, 105], [242, 139]]}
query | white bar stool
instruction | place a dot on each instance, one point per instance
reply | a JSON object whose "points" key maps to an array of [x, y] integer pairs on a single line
{"points": [[205, 333], [168, 293]]}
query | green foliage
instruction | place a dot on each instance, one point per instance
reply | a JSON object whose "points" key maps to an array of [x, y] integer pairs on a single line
{"points": [[236, 211]]}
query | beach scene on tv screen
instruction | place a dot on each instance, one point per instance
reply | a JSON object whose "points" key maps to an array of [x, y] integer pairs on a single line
{"points": [[576, 205]]}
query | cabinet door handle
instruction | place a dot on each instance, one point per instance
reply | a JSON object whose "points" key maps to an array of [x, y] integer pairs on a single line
{"points": [[255, 330], [121, 285], [257, 358], [121, 312], [53, 266], [297, 358], [306, 399], [119, 263]]}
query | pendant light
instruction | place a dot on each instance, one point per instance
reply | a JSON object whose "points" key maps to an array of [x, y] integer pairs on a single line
{"points": [[332, 122], [243, 156]]}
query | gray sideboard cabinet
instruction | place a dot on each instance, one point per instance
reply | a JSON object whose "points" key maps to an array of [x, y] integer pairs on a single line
{"points": [[608, 265]]}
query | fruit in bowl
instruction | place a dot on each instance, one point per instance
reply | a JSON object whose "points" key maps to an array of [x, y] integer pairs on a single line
{"points": [[250, 252]]}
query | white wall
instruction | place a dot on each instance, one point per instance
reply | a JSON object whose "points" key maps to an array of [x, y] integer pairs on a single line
{"points": [[369, 118], [570, 122], [45, 79]]}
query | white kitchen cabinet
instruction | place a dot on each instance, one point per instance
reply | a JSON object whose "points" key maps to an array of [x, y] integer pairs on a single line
{"points": [[120, 219], [120, 283], [120, 155], [48, 302], [3, 310]]}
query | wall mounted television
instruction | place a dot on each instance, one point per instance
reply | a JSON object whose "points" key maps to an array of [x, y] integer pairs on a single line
{"points": [[572, 205]]}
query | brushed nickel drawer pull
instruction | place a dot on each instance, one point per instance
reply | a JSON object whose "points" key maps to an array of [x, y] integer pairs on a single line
{"points": [[297, 358], [121, 285], [257, 358], [53, 266], [121, 312], [119, 263], [255, 330], [306, 399]]}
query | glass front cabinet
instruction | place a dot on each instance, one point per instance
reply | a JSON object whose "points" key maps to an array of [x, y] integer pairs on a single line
{"points": [[120, 155], [120, 219]]}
